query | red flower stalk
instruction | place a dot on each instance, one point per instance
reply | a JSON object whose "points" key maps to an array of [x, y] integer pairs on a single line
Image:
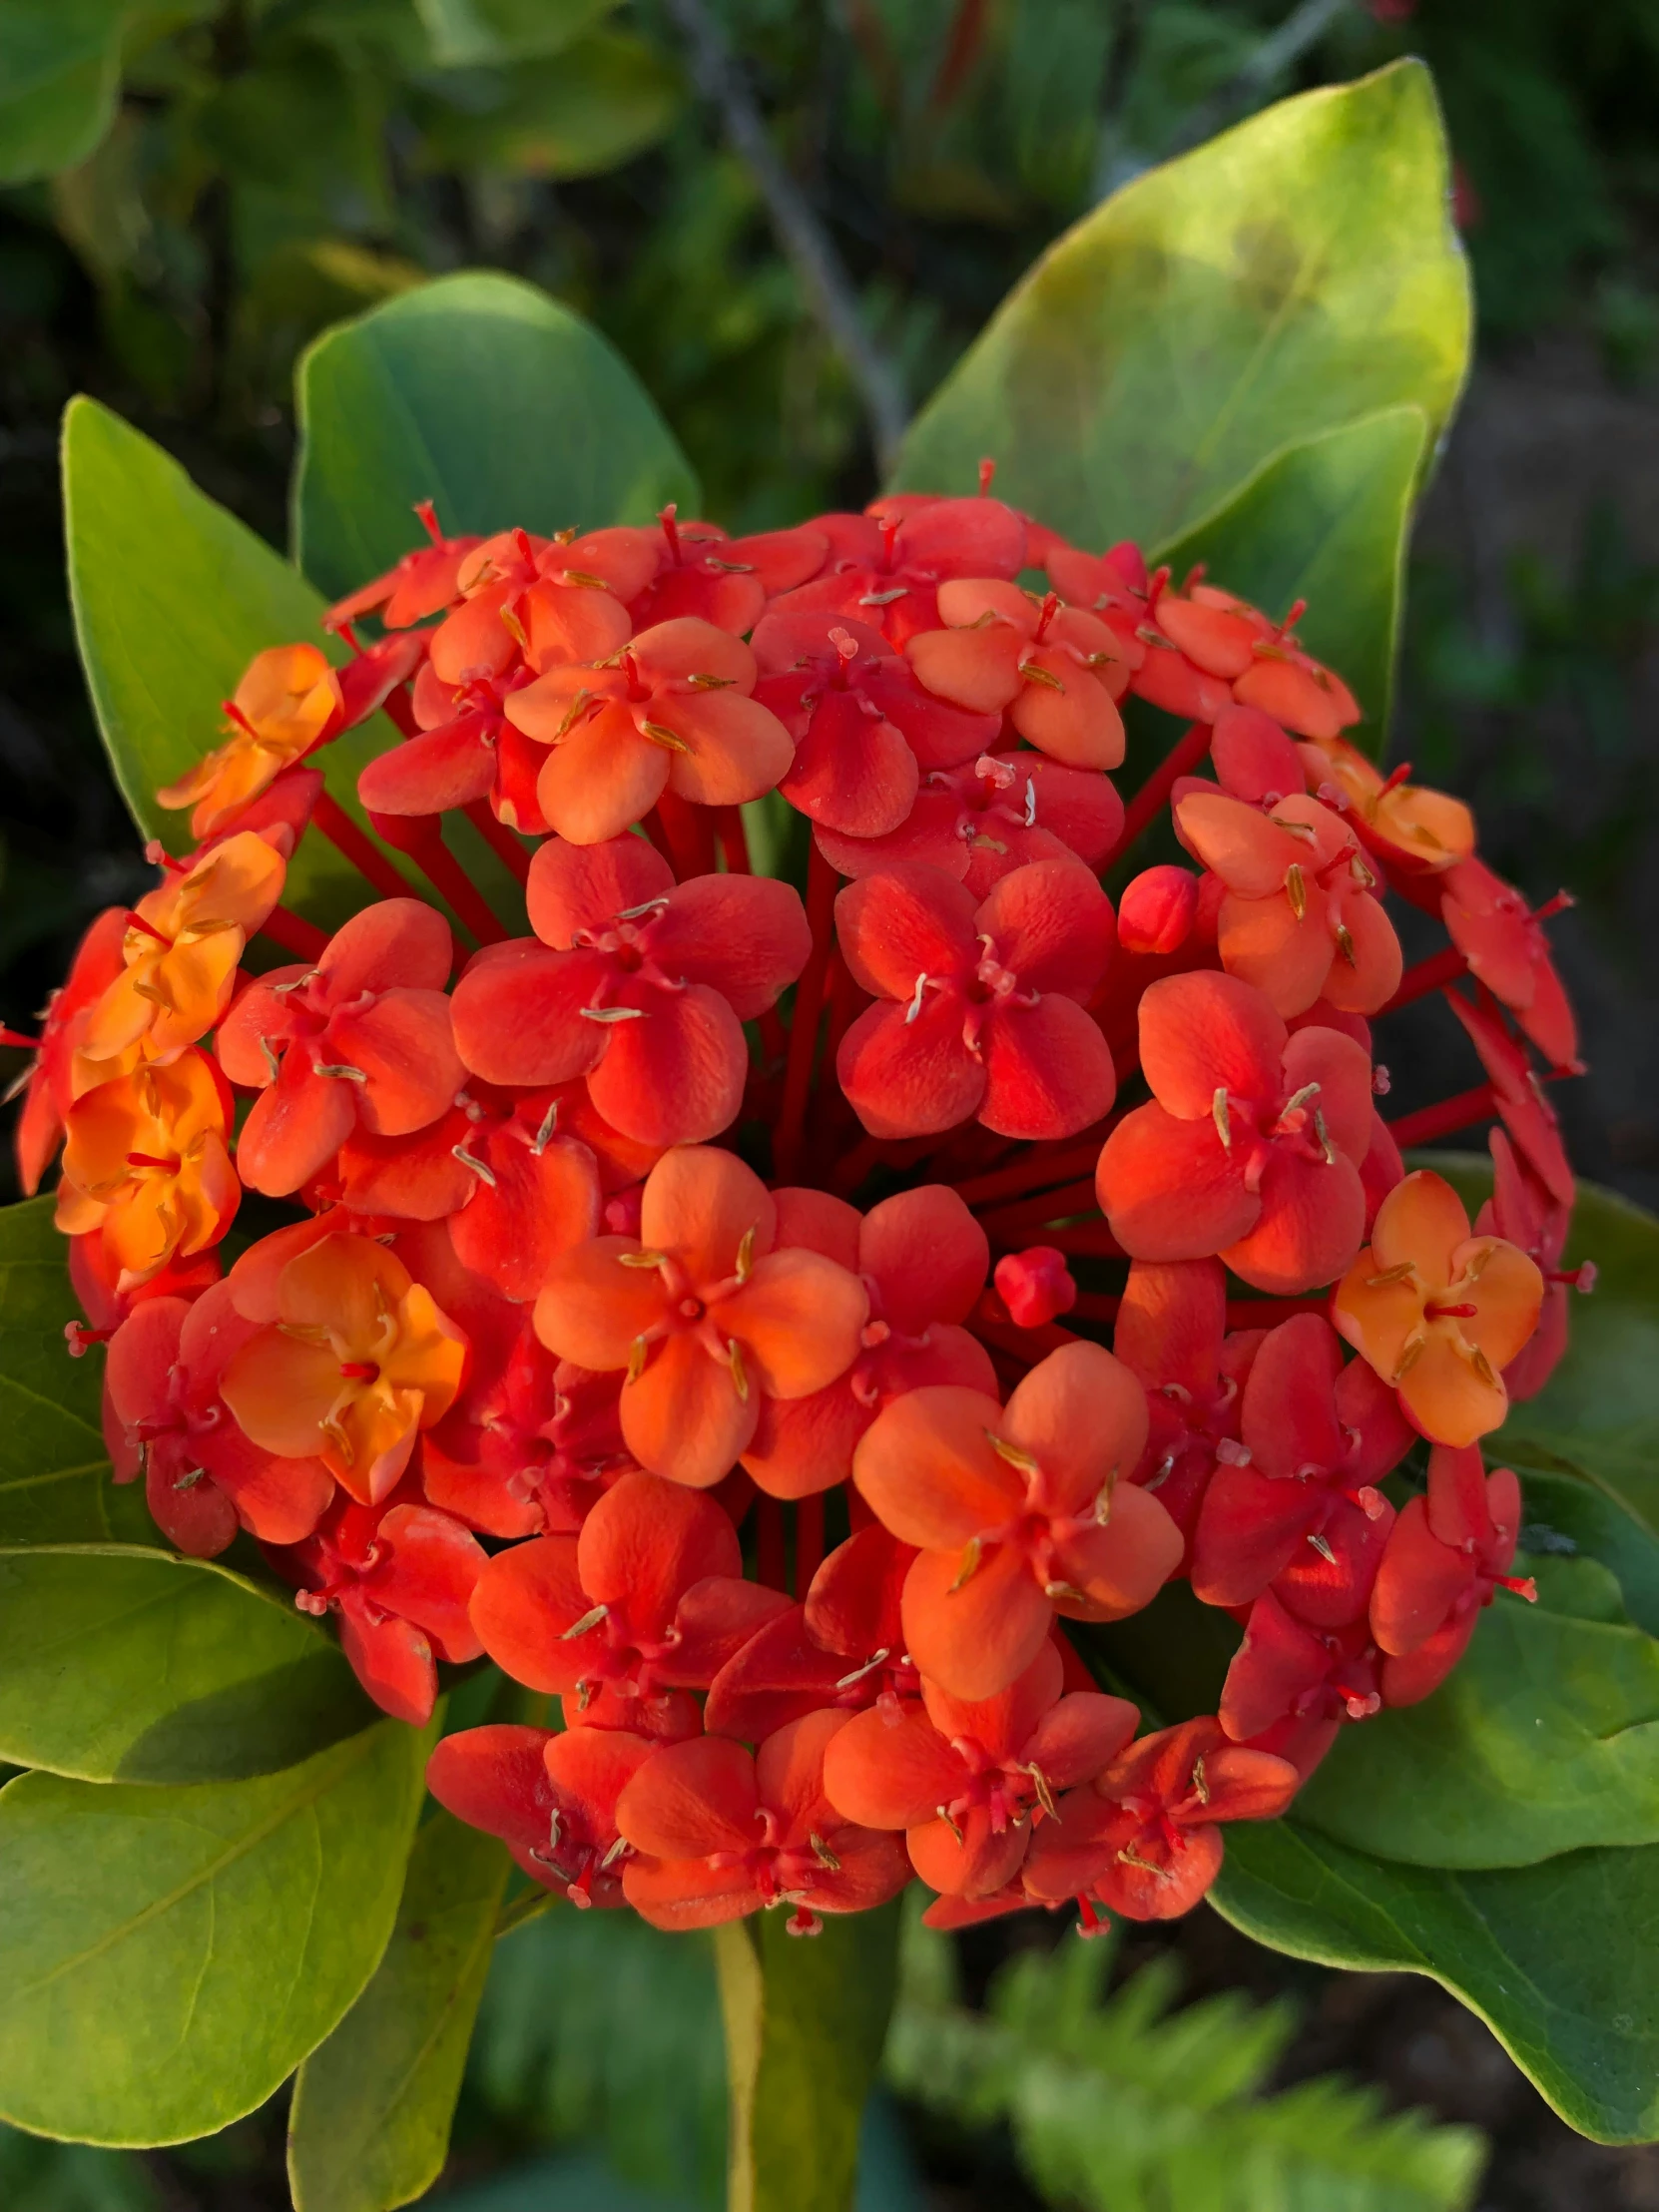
{"points": [[637, 984], [978, 1007], [719, 1832]]}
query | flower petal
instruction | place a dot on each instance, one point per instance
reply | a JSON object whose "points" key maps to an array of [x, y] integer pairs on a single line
{"points": [[1206, 1032], [928, 1471], [975, 1637]]}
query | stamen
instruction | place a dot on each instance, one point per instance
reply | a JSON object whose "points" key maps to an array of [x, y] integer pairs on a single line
{"points": [[1296, 890], [590, 1620], [972, 1553], [1218, 1113]]}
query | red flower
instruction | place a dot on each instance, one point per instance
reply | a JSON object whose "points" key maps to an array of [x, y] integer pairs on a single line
{"points": [[844, 1647], [551, 1799], [671, 713], [1172, 1333], [1018, 1513], [727, 581], [1056, 671], [1287, 1677], [1504, 944], [706, 1318], [399, 1576], [1145, 1839], [415, 586], [531, 1445], [982, 821], [648, 1599], [1448, 1557], [1252, 1144], [637, 984], [1526, 1214], [1413, 830], [1299, 919], [884, 567], [969, 1782], [721, 1831], [922, 1259], [1157, 911], [361, 1039], [1317, 1434], [202, 1479], [1523, 1106], [977, 1010], [1036, 1285], [512, 1189]]}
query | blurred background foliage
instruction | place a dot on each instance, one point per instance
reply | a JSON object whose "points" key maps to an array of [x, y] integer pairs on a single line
{"points": [[792, 215]]}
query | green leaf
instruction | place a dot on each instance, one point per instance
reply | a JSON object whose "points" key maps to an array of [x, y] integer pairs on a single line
{"points": [[54, 1470], [135, 1666], [484, 396], [805, 2020], [1572, 1522], [173, 596], [1560, 1959], [1545, 1739], [1599, 1412], [369, 2125], [1326, 521], [586, 110], [468, 33], [60, 67], [1295, 274], [168, 1957]]}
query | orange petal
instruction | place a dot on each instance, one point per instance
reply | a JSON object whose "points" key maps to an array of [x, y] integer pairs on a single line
{"points": [[1082, 1417], [699, 1202], [601, 777], [1444, 1393], [927, 1470], [1123, 1567], [592, 1308], [1506, 1289], [975, 1637], [738, 748], [684, 1417], [799, 1319], [1422, 1221]]}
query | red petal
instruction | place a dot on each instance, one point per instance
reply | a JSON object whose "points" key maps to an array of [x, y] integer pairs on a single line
{"points": [[495, 1778], [1170, 1321], [523, 1602], [1205, 1032], [646, 1542], [406, 1046], [396, 944], [585, 886], [1418, 1584], [927, 1257], [676, 1075], [692, 1800], [1170, 1189], [1048, 1070], [910, 921], [745, 936], [975, 1637], [907, 1078], [518, 1015], [391, 1658]]}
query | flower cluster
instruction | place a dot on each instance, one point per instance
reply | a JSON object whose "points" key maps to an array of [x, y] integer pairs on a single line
{"points": [[773, 1323]]}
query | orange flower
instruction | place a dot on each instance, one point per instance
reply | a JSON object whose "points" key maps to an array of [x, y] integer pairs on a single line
{"points": [[1423, 831], [703, 1315], [180, 952], [1018, 1513], [1058, 671], [282, 708], [670, 712], [1299, 919], [1439, 1312], [359, 1360], [146, 1164]]}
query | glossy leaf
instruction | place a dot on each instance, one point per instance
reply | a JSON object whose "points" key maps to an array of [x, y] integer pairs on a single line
{"points": [[168, 1957], [1295, 274], [173, 596], [1599, 1412], [805, 2020], [1560, 1959], [135, 1666], [1544, 1739], [1328, 521], [487, 397], [60, 71], [581, 111], [369, 2123], [54, 1471], [467, 34]]}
